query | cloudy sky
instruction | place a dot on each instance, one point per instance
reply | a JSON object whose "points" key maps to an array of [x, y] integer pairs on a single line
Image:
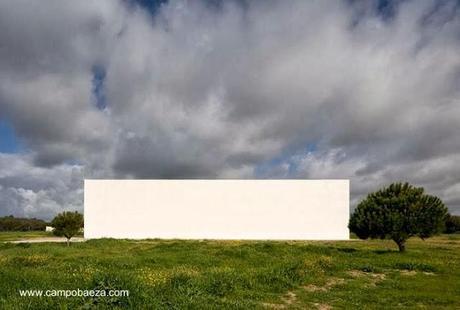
{"points": [[365, 90]]}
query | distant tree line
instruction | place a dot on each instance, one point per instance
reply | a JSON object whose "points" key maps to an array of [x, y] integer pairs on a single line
{"points": [[11, 223], [452, 224]]}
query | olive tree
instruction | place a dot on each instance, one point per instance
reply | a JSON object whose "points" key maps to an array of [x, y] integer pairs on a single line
{"points": [[398, 212], [67, 224]]}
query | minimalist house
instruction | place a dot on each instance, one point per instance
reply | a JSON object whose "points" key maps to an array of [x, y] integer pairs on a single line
{"points": [[217, 209]]}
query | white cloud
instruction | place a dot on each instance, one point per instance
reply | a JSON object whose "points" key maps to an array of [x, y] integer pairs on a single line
{"points": [[30, 191]]}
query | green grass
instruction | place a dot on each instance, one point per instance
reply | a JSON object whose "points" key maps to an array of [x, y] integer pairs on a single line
{"points": [[20, 235], [173, 274]]}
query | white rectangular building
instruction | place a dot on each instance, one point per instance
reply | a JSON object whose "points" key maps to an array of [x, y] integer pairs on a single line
{"points": [[217, 209]]}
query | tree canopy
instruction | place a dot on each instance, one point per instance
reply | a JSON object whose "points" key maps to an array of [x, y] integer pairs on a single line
{"points": [[398, 212], [67, 224]]}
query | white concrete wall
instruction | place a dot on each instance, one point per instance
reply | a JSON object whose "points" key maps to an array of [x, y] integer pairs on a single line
{"points": [[217, 209]]}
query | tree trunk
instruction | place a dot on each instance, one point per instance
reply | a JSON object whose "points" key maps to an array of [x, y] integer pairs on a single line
{"points": [[68, 241], [401, 245]]}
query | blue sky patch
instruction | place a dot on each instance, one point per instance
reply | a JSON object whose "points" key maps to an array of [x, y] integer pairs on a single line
{"points": [[99, 74], [150, 5], [266, 168], [9, 142]]}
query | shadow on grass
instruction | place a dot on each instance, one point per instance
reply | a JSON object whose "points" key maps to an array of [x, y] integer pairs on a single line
{"points": [[385, 251], [347, 250], [362, 251]]}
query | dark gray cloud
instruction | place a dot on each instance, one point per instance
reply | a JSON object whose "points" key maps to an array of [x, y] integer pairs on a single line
{"points": [[313, 89]]}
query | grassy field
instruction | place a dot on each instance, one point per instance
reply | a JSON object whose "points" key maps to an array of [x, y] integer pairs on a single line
{"points": [[235, 274], [19, 235]]}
